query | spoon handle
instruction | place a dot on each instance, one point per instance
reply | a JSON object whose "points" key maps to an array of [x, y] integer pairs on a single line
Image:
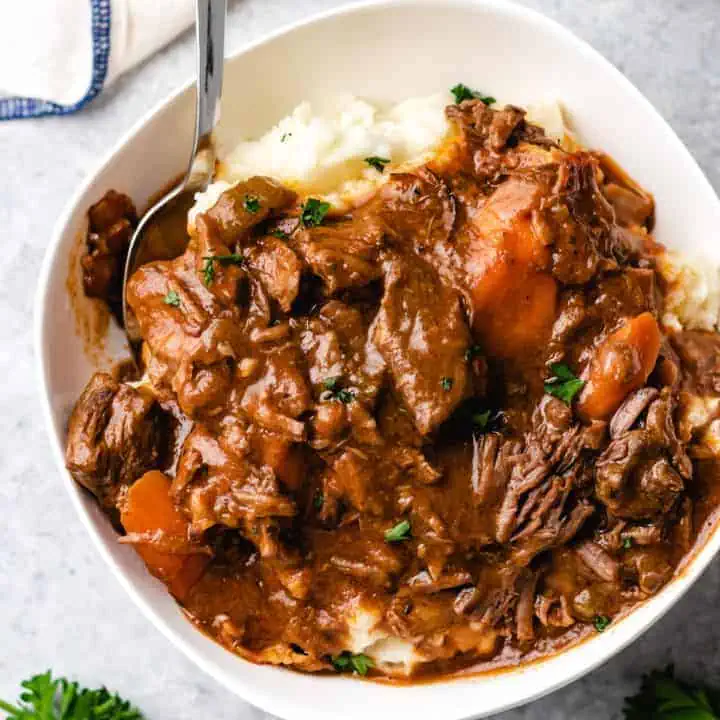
{"points": [[210, 36]]}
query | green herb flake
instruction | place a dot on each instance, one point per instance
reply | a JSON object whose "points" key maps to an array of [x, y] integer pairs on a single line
{"points": [[285, 136], [208, 271], [627, 543], [481, 420], [209, 265], [601, 622], [318, 500], [314, 212], [332, 383], [463, 92], [172, 298], [472, 352], [252, 204], [347, 662], [46, 698], [398, 532], [376, 162], [345, 396], [563, 384], [446, 383], [281, 234]]}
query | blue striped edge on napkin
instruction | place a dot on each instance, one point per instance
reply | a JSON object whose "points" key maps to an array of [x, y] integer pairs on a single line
{"points": [[13, 108]]}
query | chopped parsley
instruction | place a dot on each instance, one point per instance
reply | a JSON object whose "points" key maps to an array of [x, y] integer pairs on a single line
{"points": [[314, 212], [172, 298], [209, 265], [446, 383], [347, 662], [481, 420], [335, 391], [627, 543], [463, 92], [46, 698], [601, 622], [318, 500], [252, 204], [281, 234], [563, 384], [472, 352], [398, 532], [285, 136], [376, 162]]}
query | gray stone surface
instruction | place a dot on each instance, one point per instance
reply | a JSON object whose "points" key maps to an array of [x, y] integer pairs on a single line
{"points": [[59, 605]]}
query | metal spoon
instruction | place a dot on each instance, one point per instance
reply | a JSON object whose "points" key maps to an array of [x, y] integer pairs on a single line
{"points": [[210, 44]]}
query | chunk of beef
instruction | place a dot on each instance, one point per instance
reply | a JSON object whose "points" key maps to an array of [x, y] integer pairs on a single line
{"points": [[483, 127], [642, 472], [115, 434], [218, 486], [279, 393], [630, 411], [245, 205], [277, 267], [415, 209], [111, 223], [421, 333], [345, 371], [700, 357], [344, 254]]}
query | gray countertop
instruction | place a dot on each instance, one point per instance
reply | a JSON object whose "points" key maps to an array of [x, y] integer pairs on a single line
{"points": [[59, 605]]}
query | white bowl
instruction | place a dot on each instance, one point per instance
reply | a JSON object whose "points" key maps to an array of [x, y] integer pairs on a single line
{"points": [[384, 51]]}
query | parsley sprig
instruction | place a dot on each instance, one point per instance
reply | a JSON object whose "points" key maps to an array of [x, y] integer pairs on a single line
{"points": [[663, 697], [376, 162], [347, 662], [335, 391], [463, 92], [313, 212], [563, 383], [398, 532], [172, 298], [47, 698], [209, 265]]}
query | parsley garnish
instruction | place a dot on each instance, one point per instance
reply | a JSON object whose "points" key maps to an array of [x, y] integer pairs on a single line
{"points": [[481, 420], [627, 543], [346, 662], [45, 698], [377, 162], [285, 136], [563, 384], [318, 500], [314, 212], [252, 204], [446, 383], [335, 391], [278, 233], [209, 265], [662, 697], [172, 298], [601, 622], [398, 533], [472, 351], [463, 92]]}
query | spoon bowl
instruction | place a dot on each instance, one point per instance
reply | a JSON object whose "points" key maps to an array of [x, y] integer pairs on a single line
{"points": [[210, 45]]}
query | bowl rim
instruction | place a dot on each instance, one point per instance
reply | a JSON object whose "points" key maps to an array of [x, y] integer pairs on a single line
{"points": [[277, 703]]}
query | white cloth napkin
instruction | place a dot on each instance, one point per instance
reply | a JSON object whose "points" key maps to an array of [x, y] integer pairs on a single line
{"points": [[59, 52]]}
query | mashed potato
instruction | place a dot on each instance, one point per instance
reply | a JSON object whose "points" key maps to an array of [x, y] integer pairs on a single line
{"points": [[692, 299]]}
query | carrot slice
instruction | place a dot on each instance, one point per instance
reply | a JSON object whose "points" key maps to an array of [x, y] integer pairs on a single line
{"points": [[621, 364], [150, 508]]}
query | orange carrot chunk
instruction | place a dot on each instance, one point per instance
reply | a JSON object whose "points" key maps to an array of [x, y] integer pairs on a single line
{"points": [[621, 364], [148, 509]]}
